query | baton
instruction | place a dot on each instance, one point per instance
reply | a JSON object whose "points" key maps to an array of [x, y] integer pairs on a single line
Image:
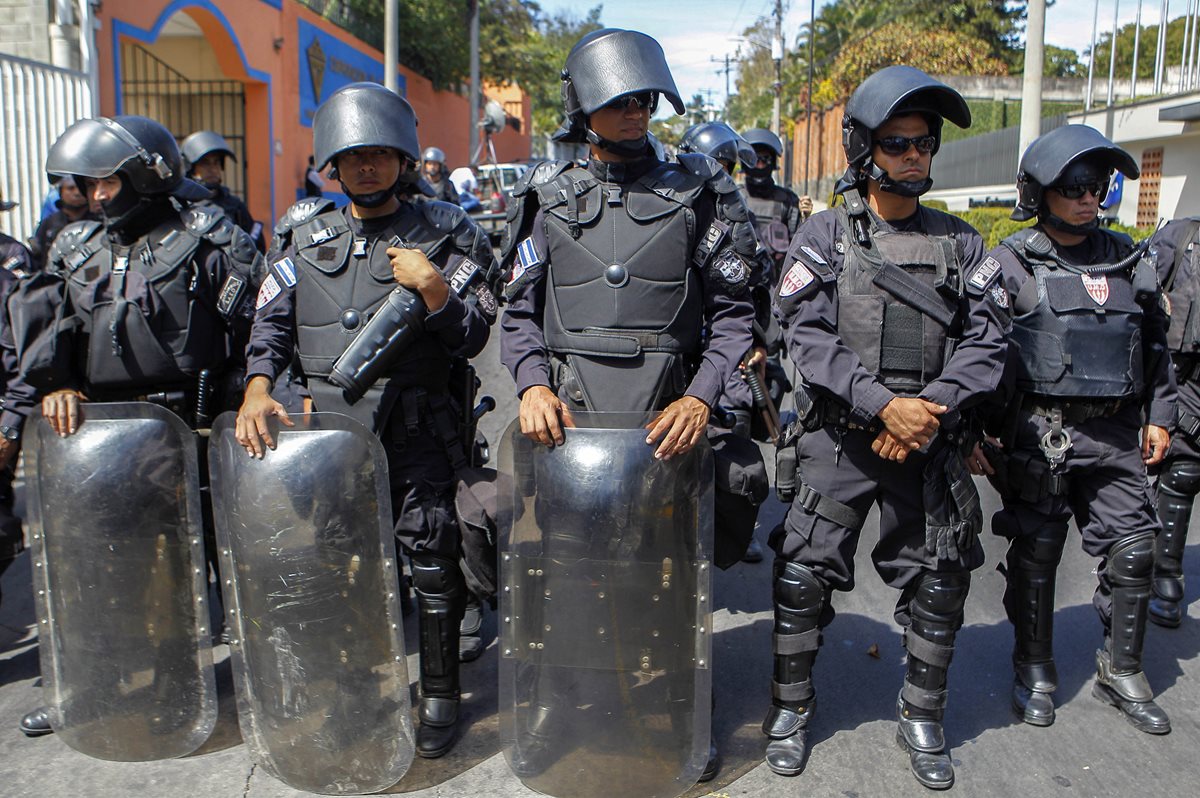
{"points": [[763, 402]]}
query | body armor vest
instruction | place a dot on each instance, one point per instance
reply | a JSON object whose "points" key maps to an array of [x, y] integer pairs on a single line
{"points": [[1183, 291], [770, 214], [138, 304], [899, 300], [350, 278], [623, 296], [1083, 336]]}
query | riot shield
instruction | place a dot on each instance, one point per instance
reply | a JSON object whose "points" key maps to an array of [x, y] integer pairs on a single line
{"points": [[119, 579], [311, 587], [605, 618]]}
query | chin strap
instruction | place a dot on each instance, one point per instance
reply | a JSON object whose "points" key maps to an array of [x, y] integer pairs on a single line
{"points": [[904, 188], [373, 200], [1060, 224], [626, 149]]}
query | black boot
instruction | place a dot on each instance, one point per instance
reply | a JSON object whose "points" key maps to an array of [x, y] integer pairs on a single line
{"points": [[713, 766], [1119, 677], [936, 612], [1176, 492], [441, 594], [470, 643], [535, 749], [1031, 570], [36, 723], [799, 598]]}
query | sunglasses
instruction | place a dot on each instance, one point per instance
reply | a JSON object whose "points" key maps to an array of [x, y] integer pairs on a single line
{"points": [[1075, 192], [643, 100], [898, 145]]}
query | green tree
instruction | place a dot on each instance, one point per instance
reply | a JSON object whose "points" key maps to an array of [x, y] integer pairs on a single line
{"points": [[1147, 47]]}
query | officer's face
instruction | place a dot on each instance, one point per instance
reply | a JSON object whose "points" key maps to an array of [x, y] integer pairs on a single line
{"points": [[433, 169], [104, 189], [912, 164], [1080, 210], [210, 170], [366, 170], [628, 123], [71, 196]]}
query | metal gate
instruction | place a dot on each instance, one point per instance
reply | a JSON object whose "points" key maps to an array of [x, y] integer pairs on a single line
{"points": [[151, 87]]}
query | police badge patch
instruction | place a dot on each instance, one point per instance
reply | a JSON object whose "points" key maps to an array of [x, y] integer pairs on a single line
{"points": [[1097, 287], [729, 269], [269, 290], [486, 300], [797, 278], [999, 295]]}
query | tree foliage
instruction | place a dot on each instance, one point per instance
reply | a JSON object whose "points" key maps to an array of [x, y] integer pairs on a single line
{"points": [[1147, 47]]}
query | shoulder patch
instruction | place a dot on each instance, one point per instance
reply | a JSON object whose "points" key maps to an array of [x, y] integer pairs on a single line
{"points": [[999, 295], [814, 256], [984, 273], [269, 290], [796, 280], [527, 257], [286, 271]]}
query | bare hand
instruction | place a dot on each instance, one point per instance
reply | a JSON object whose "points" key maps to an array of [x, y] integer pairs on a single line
{"points": [[61, 411], [251, 429], [1155, 442], [977, 462], [757, 360], [680, 426], [806, 207], [912, 422], [413, 270], [8, 452], [543, 416], [889, 448]]}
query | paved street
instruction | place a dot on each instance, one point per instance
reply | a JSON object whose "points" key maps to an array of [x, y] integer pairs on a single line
{"points": [[1090, 751]]}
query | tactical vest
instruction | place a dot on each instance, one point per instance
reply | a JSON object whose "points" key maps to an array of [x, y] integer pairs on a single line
{"points": [[1182, 285], [349, 278], [624, 305], [138, 304], [1083, 336], [770, 214], [899, 300]]}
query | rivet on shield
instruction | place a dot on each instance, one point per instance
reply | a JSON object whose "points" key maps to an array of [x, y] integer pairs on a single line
{"points": [[508, 619], [199, 599], [600, 631], [703, 597], [701, 663], [391, 595], [532, 646], [37, 537], [547, 627], [666, 585], [229, 581], [203, 631], [197, 570], [703, 630], [600, 594], [654, 597], [507, 557], [654, 633], [540, 646], [530, 572], [540, 572], [349, 628], [508, 652], [38, 563], [506, 588], [394, 626], [546, 593], [44, 621], [226, 552], [41, 592]]}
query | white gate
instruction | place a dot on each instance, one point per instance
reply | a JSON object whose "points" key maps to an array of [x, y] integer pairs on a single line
{"points": [[37, 103]]}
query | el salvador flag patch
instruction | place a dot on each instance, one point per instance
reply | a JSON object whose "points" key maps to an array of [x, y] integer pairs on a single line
{"points": [[287, 271], [527, 257]]}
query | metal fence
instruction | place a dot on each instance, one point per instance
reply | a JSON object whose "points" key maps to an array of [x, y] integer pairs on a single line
{"points": [[986, 160], [37, 103]]}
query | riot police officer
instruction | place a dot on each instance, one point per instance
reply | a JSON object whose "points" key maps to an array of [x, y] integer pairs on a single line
{"points": [[778, 210], [331, 271], [144, 301], [205, 153], [433, 169], [662, 322], [1090, 372], [889, 317], [71, 206], [720, 142], [1175, 248]]}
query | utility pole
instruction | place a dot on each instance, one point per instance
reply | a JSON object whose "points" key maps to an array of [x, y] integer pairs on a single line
{"points": [[1031, 83], [777, 56], [391, 44], [1087, 101], [1137, 40], [812, 35], [1112, 53], [726, 69], [473, 109]]}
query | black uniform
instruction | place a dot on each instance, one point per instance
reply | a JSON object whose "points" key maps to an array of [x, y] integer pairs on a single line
{"points": [[443, 190], [1179, 476], [1089, 368], [47, 230], [18, 399], [237, 211], [777, 211], [330, 274], [642, 225]]}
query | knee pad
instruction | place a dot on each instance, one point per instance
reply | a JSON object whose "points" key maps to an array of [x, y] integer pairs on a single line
{"points": [[799, 596], [1040, 551], [941, 596], [1181, 477], [1130, 560], [437, 577]]}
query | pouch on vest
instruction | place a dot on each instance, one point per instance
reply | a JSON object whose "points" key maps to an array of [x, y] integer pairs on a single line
{"points": [[42, 332], [124, 349]]}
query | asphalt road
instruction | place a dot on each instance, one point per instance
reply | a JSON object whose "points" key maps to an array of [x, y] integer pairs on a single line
{"points": [[1090, 751]]}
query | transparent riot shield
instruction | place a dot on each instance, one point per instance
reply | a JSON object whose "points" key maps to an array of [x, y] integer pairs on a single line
{"points": [[605, 615], [119, 579], [308, 560]]}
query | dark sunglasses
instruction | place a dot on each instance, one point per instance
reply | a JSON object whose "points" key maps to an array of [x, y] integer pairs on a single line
{"points": [[898, 145], [1075, 192], [643, 100]]}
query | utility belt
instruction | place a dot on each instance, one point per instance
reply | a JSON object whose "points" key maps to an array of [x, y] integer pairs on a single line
{"points": [[192, 401], [1189, 425], [1073, 411]]}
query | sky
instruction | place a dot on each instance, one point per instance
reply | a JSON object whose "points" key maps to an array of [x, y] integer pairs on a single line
{"points": [[695, 34]]}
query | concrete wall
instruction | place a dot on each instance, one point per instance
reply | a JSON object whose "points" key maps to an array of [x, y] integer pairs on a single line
{"points": [[24, 29]]}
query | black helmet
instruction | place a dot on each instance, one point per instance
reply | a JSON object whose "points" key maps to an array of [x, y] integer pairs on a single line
{"points": [[607, 64], [140, 149], [433, 154], [1071, 155], [364, 115], [201, 143], [761, 137], [895, 91], [719, 141]]}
